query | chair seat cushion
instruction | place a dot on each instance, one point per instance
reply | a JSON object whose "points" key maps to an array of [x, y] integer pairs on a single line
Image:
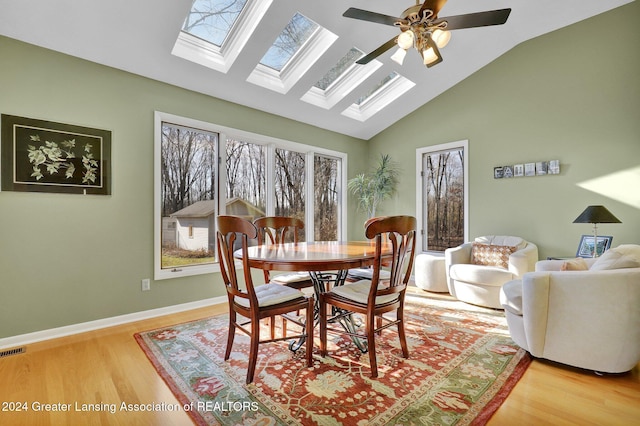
{"points": [[368, 273], [272, 294], [511, 297], [291, 278], [480, 274], [359, 292]]}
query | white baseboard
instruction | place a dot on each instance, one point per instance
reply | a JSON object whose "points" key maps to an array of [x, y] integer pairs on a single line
{"points": [[68, 330]]}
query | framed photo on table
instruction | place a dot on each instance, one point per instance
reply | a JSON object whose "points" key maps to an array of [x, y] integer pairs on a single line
{"points": [[587, 245]]}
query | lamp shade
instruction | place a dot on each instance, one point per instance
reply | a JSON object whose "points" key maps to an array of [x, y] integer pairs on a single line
{"points": [[596, 214]]}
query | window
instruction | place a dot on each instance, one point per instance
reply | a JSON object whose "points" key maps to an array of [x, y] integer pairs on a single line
{"points": [[257, 176], [215, 31], [212, 20], [290, 189], [246, 174], [292, 54], [326, 215], [186, 196], [340, 80], [291, 39], [442, 206]]}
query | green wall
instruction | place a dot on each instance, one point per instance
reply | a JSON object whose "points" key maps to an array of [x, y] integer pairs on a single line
{"points": [[571, 95], [68, 259]]}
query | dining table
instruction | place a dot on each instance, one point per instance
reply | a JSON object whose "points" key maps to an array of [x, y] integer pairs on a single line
{"points": [[327, 263]]}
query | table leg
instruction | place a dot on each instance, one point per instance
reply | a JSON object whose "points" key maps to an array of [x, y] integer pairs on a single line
{"points": [[320, 284]]}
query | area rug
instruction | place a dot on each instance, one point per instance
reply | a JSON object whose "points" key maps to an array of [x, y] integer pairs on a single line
{"points": [[462, 366]]}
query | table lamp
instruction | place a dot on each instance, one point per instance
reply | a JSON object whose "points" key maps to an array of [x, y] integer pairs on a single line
{"points": [[595, 215]]}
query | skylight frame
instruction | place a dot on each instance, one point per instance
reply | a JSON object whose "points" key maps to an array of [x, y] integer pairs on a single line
{"points": [[379, 99], [221, 58], [282, 81], [346, 82]]}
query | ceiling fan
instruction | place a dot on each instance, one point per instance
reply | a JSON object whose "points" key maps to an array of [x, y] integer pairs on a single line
{"points": [[421, 28]]}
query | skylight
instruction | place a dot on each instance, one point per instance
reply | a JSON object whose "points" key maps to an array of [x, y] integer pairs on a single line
{"points": [[291, 39], [211, 20], [390, 88], [340, 80], [215, 31], [375, 88], [294, 51], [345, 62]]}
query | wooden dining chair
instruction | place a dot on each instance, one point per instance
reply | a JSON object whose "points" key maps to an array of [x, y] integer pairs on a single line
{"points": [[376, 297], [259, 302], [279, 230]]}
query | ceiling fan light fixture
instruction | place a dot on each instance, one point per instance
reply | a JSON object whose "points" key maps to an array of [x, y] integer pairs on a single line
{"points": [[405, 39], [441, 37], [398, 57], [429, 56]]}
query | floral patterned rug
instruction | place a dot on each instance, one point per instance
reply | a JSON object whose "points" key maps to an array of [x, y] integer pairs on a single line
{"points": [[462, 366]]}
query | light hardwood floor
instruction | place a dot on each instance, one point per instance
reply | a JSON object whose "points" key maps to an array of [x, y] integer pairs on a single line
{"points": [[107, 366]]}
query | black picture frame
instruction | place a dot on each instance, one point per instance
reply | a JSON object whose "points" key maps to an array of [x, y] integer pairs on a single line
{"points": [[45, 156], [586, 246]]}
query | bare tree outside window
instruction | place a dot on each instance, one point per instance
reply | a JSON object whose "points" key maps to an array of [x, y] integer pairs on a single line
{"points": [[264, 177], [290, 193], [188, 182], [211, 20], [246, 179], [326, 188], [443, 199], [290, 40]]}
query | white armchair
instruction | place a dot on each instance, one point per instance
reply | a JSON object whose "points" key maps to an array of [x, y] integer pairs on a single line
{"points": [[584, 318], [477, 270]]}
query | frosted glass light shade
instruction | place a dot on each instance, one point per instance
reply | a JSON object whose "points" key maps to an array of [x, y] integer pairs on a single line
{"points": [[398, 57], [429, 55], [405, 39], [441, 38]]}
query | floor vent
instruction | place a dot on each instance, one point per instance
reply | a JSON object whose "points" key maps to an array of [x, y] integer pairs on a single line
{"points": [[14, 351]]}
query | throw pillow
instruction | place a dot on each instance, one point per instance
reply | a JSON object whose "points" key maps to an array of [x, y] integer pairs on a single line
{"points": [[577, 264], [624, 256], [491, 255]]}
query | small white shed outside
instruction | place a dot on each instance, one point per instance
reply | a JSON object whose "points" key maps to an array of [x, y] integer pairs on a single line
{"points": [[195, 226]]}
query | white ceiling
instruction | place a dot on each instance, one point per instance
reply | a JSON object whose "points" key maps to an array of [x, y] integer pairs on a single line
{"points": [[138, 36]]}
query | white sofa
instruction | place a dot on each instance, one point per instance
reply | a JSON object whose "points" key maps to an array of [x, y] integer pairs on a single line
{"points": [[477, 279], [584, 318]]}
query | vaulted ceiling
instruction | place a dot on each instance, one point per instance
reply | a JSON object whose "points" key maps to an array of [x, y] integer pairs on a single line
{"points": [[140, 37]]}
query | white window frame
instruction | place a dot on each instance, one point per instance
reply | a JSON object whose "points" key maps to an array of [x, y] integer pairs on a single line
{"points": [[222, 58], [379, 99], [271, 143], [420, 152]]}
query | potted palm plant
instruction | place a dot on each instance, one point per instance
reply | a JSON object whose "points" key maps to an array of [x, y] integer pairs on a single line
{"points": [[372, 188]]}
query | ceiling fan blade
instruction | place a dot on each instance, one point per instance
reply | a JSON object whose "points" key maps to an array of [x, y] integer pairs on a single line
{"points": [[432, 5], [480, 19], [379, 51], [366, 15]]}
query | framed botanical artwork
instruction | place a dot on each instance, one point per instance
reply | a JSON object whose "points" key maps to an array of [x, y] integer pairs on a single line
{"points": [[587, 245], [44, 156]]}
